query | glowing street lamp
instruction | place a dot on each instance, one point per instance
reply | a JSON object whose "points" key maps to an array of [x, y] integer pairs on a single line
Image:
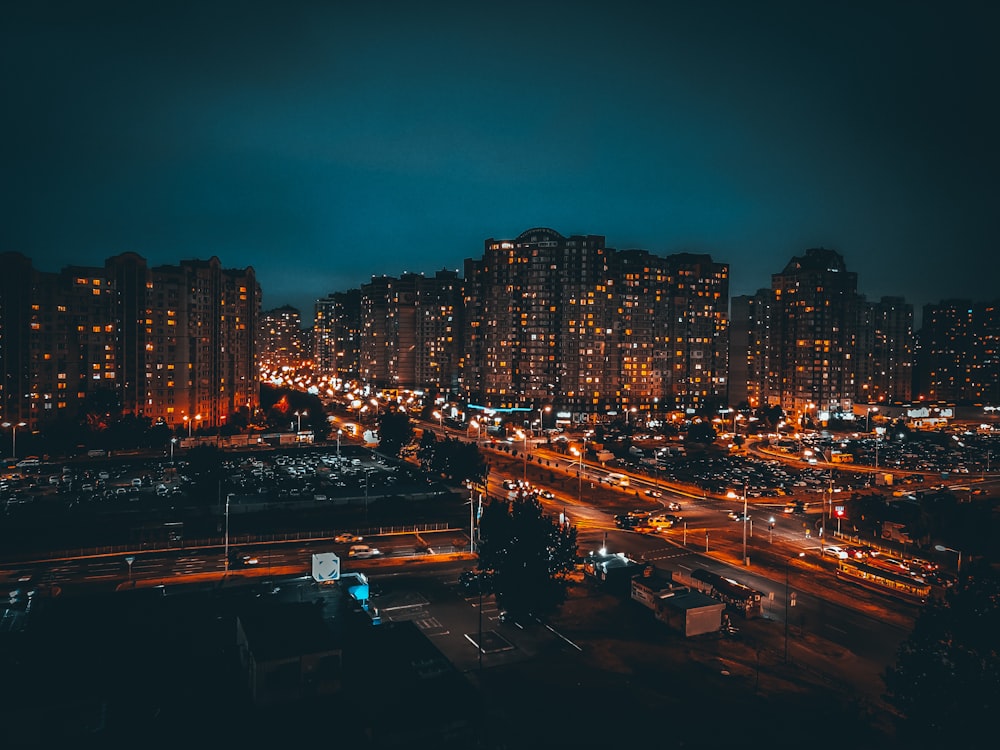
{"points": [[524, 436], [479, 429], [868, 417], [942, 548], [541, 423], [339, 433], [299, 415], [440, 418], [13, 435], [787, 563]]}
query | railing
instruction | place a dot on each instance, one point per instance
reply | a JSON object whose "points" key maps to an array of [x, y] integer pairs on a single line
{"points": [[220, 541]]}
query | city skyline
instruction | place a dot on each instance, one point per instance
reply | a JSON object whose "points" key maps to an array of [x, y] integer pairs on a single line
{"points": [[324, 144]]}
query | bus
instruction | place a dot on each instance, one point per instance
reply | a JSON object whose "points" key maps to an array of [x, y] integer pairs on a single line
{"points": [[884, 581], [619, 480], [736, 596]]}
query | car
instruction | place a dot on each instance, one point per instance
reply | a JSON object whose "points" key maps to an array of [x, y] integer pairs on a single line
{"points": [[834, 551], [547, 494], [347, 538], [735, 516], [654, 493], [242, 560], [858, 553], [673, 506], [363, 551]]}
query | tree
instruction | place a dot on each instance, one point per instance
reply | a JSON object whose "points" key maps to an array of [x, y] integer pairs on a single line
{"points": [[395, 432], [701, 432], [528, 554], [946, 681]]}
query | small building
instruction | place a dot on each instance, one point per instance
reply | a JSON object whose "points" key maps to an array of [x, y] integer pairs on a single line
{"points": [[690, 612], [614, 571], [687, 611], [288, 654]]}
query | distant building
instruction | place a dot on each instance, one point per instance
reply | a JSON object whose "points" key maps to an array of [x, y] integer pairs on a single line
{"points": [[172, 343], [282, 340], [336, 344], [959, 359]]}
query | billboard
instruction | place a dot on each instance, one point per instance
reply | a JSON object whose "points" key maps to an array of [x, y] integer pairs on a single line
{"points": [[325, 567]]}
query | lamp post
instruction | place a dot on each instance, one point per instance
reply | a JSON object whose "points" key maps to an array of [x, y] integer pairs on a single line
{"points": [[479, 430], [746, 560], [579, 476], [524, 436], [541, 423], [339, 433], [868, 417], [787, 596], [299, 415], [942, 548], [173, 442], [440, 418], [228, 498], [13, 435]]}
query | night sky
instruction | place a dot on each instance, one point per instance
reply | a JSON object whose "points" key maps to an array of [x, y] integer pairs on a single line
{"points": [[327, 142]]}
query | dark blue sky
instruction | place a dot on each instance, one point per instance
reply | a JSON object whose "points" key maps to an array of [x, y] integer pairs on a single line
{"points": [[326, 142]]}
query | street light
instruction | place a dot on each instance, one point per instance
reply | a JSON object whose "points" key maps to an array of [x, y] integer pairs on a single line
{"points": [[746, 560], [228, 498], [13, 435], [479, 429], [942, 548], [339, 433], [524, 435], [787, 563], [440, 418], [541, 423], [299, 415], [173, 442], [868, 417]]}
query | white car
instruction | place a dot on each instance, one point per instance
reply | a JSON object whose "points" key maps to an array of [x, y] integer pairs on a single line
{"points": [[347, 538], [835, 551], [362, 551]]}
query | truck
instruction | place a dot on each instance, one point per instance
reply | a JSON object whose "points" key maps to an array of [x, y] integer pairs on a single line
{"points": [[604, 455]]}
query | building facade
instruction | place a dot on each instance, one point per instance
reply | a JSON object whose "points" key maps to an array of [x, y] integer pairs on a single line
{"points": [[173, 343]]}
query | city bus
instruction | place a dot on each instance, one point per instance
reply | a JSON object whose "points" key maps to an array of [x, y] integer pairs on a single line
{"points": [[884, 581], [619, 480]]}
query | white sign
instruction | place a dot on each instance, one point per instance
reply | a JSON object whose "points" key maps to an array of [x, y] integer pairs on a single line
{"points": [[325, 567]]}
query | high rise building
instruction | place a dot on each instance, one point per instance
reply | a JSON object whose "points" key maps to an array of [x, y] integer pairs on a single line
{"points": [[958, 353], [337, 336], [282, 340], [411, 328], [164, 343], [593, 331], [811, 344]]}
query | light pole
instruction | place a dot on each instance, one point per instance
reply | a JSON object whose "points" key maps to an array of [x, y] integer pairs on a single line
{"points": [[228, 498], [541, 423], [942, 548], [868, 417], [479, 430], [339, 433], [13, 435], [787, 596], [299, 415], [524, 435], [173, 442], [746, 560], [579, 476], [440, 418]]}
